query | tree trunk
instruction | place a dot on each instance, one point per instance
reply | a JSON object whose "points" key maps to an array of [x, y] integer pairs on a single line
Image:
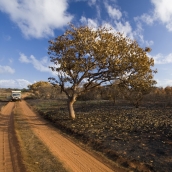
{"points": [[137, 105], [70, 108]]}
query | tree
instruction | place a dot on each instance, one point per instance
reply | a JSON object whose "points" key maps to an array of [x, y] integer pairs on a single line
{"points": [[158, 95], [83, 56], [43, 89], [168, 92], [136, 86], [113, 92], [93, 94]]}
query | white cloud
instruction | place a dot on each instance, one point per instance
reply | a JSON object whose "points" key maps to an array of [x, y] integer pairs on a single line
{"points": [[6, 69], [146, 18], [7, 83], [149, 43], [161, 59], [98, 10], [118, 23], [23, 58], [162, 12], [92, 2], [22, 83], [138, 33], [18, 83], [37, 18], [169, 26], [113, 12], [164, 82], [91, 23], [40, 65], [124, 28]]}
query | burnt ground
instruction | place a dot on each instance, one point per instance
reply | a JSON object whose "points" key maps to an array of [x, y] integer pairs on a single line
{"points": [[138, 139]]}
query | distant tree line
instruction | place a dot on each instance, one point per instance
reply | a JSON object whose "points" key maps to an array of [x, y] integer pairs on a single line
{"points": [[44, 90], [154, 96]]}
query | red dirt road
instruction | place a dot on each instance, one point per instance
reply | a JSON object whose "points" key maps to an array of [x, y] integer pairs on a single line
{"points": [[73, 157], [6, 164]]}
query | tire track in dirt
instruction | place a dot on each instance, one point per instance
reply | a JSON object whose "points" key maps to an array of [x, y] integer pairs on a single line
{"points": [[73, 157], [10, 155], [6, 164]]}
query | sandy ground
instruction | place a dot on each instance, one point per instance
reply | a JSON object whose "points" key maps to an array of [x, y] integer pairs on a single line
{"points": [[10, 156], [74, 158], [6, 164]]}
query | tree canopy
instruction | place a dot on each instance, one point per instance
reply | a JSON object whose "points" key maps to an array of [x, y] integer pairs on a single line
{"points": [[84, 58], [44, 89]]}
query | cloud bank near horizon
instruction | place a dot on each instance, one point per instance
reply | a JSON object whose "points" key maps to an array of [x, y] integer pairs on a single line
{"points": [[14, 83]]}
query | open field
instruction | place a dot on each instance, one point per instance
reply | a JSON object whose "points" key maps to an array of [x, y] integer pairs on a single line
{"points": [[137, 139], [5, 95]]}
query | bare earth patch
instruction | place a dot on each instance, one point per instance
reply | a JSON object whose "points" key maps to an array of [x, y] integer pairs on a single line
{"points": [[5, 156]]}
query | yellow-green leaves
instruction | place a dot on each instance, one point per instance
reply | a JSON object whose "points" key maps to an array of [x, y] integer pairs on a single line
{"points": [[97, 56]]}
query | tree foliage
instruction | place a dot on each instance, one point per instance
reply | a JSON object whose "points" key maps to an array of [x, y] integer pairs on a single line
{"points": [[44, 89], [85, 58], [134, 87]]}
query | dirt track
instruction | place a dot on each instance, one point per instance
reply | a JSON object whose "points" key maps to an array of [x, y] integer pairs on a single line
{"points": [[10, 157], [73, 157], [6, 164]]}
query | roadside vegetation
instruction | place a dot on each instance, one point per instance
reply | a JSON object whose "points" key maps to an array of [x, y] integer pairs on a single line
{"points": [[4, 95], [2, 104], [35, 155]]}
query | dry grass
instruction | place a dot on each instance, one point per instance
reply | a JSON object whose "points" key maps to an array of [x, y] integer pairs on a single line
{"points": [[5, 95], [36, 156], [2, 104]]}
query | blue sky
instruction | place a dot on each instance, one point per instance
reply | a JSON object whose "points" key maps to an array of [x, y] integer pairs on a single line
{"points": [[27, 25]]}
